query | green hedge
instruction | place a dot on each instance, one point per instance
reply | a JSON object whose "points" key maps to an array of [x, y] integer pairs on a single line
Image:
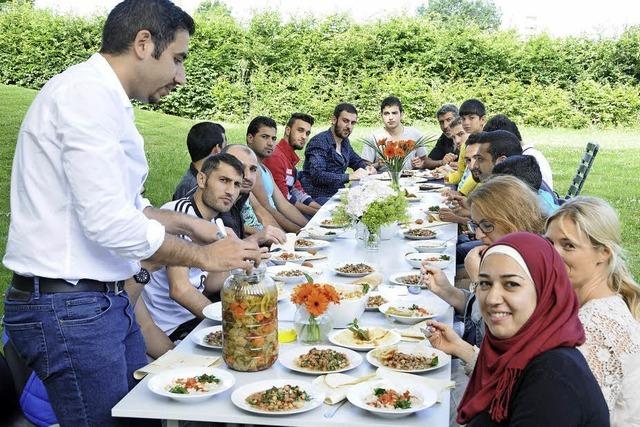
{"points": [[271, 67]]}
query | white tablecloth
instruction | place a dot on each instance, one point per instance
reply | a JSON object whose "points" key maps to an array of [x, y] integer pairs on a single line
{"points": [[142, 403]]}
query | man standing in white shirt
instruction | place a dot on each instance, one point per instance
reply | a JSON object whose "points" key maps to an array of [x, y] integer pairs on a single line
{"points": [[392, 114], [79, 226]]}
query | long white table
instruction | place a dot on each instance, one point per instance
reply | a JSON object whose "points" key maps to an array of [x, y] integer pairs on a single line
{"points": [[142, 403]]}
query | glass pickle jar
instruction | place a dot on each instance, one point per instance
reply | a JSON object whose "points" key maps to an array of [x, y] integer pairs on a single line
{"points": [[249, 320]]}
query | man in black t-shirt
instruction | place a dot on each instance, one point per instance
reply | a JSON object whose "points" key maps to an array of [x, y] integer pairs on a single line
{"points": [[444, 151]]}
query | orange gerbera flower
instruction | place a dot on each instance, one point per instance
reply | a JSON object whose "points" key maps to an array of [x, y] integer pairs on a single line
{"points": [[331, 294], [388, 151], [410, 144], [382, 142], [316, 303], [301, 293], [398, 151]]}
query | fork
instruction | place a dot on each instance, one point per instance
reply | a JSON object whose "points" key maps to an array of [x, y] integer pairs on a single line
{"points": [[329, 413]]}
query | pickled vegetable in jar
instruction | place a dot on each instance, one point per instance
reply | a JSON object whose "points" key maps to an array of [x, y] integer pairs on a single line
{"points": [[249, 320]]}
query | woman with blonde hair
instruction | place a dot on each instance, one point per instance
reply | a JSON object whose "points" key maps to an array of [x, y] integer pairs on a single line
{"points": [[586, 233], [492, 217]]}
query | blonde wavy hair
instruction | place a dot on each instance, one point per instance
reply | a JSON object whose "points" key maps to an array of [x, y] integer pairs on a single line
{"points": [[599, 221], [507, 201]]}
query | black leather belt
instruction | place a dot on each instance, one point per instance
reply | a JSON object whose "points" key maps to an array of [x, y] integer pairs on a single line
{"points": [[48, 286]]}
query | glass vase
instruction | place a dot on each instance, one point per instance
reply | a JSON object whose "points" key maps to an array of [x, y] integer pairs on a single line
{"points": [[371, 239], [395, 179], [311, 329]]}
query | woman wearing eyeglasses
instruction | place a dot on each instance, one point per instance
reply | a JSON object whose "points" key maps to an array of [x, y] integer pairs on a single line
{"points": [[501, 205], [529, 372], [586, 233]]}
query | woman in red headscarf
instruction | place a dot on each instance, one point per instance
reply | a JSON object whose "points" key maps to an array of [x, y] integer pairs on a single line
{"points": [[529, 372]]}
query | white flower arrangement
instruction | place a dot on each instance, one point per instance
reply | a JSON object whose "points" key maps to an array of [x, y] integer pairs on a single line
{"points": [[359, 198]]}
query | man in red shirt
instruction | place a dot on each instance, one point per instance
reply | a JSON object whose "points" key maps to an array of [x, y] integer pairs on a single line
{"points": [[282, 163]]}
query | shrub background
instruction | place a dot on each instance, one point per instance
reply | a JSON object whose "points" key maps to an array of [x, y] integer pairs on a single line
{"points": [[273, 67]]}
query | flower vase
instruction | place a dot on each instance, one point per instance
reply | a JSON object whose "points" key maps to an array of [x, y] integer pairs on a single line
{"points": [[309, 328], [371, 239], [395, 179]]}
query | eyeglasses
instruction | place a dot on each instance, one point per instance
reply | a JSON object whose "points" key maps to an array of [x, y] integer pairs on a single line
{"points": [[484, 226]]}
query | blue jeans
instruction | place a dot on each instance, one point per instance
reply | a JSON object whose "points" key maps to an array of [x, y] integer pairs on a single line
{"points": [[84, 346]]}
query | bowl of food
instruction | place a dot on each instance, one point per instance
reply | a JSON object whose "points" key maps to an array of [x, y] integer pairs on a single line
{"points": [[278, 397], [319, 359], [330, 223], [419, 233], [408, 312], [389, 399], [429, 245], [354, 269], [435, 259], [353, 301], [410, 358], [302, 244], [323, 233], [361, 338], [409, 278], [375, 300], [191, 384], [284, 257]]}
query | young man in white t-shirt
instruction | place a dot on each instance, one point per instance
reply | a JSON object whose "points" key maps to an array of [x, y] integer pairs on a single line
{"points": [[173, 300], [392, 114]]}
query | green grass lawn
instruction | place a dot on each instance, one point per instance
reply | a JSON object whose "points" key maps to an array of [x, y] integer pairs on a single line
{"points": [[614, 177]]}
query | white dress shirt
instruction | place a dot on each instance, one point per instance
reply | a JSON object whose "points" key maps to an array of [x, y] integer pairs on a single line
{"points": [[79, 166]]}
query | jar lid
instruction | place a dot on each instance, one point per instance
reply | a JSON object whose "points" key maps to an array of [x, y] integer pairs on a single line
{"points": [[256, 275]]}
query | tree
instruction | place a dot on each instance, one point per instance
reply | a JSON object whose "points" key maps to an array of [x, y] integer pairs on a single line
{"points": [[215, 7], [484, 13]]}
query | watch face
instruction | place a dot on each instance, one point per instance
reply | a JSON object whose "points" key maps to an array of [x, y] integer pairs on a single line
{"points": [[142, 277]]}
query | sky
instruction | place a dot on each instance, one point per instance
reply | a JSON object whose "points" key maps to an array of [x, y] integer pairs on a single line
{"points": [[557, 17]]}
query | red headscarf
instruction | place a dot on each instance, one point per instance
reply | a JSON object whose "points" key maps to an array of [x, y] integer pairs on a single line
{"points": [[554, 323]]}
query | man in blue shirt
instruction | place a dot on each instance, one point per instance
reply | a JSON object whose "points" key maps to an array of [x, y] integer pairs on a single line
{"points": [[329, 154]]}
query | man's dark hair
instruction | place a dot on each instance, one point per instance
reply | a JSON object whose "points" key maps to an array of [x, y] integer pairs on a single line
{"points": [[202, 139], [213, 162], [390, 101], [447, 108], [472, 106], [502, 122], [161, 18], [300, 116], [502, 143], [349, 108], [523, 167], [455, 122], [258, 122]]}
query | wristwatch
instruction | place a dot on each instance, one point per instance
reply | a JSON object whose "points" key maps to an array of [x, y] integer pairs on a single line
{"points": [[142, 276]]}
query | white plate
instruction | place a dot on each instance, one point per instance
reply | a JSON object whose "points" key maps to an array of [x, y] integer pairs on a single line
{"points": [[416, 258], [275, 272], [339, 273], [158, 383], [395, 278], [239, 395], [412, 199], [392, 338], [213, 311], [323, 233], [199, 336], [374, 294], [275, 258], [317, 244], [402, 303], [443, 358], [429, 245], [289, 357], [358, 393], [412, 237], [430, 186], [332, 225]]}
